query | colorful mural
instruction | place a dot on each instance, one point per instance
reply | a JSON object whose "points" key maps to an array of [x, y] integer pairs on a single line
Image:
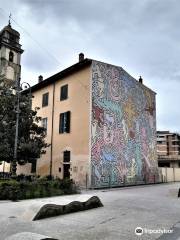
{"points": [[123, 128]]}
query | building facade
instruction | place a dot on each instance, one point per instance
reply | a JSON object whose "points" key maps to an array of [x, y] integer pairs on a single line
{"points": [[101, 124], [168, 149]]}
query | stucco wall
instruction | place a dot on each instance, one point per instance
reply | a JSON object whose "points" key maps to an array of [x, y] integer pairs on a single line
{"points": [[4, 167], [169, 174], [123, 128], [43, 164], [11, 70], [77, 141]]}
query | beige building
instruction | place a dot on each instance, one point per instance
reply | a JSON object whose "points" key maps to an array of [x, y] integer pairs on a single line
{"points": [[64, 103], [168, 149], [100, 123]]}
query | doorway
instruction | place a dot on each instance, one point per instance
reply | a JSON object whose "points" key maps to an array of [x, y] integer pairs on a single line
{"points": [[66, 172]]}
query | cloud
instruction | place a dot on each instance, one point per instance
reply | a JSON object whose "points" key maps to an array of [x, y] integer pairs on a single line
{"points": [[141, 36]]}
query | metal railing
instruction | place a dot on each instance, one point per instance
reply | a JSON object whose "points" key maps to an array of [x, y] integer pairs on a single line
{"points": [[169, 157]]}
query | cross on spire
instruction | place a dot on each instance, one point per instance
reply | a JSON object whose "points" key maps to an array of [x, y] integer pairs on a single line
{"points": [[10, 19]]}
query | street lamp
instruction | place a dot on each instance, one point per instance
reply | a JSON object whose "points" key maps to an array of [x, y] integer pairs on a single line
{"points": [[19, 88]]}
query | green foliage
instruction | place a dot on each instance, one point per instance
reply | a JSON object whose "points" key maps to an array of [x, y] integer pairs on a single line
{"points": [[31, 139], [37, 188]]}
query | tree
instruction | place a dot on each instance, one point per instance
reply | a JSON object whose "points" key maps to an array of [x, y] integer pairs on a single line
{"points": [[31, 137]]}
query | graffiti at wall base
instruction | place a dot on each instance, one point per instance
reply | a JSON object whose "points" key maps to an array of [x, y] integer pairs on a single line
{"points": [[123, 130]]}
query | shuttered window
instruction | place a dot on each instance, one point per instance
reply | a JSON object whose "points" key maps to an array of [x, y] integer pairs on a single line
{"points": [[64, 92], [64, 122], [44, 124], [45, 98]]}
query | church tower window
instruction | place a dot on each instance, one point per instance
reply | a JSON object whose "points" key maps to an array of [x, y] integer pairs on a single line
{"points": [[11, 56]]}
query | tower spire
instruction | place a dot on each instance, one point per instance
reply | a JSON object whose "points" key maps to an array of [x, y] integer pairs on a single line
{"points": [[10, 19]]}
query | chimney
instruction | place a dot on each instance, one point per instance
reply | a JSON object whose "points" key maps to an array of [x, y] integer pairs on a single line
{"points": [[40, 78], [81, 57], [140, 80]]}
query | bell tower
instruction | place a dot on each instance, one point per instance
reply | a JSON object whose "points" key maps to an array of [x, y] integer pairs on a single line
{"points": [[10, 54]]}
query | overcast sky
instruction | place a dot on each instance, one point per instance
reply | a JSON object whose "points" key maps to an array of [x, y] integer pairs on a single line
{"points": [[142, 36]]}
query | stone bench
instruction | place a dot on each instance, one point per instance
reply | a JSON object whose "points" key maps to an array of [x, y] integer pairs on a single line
{"points": [[44, 209]]}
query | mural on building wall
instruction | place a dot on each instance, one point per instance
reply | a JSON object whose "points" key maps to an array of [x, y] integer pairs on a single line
{"points": [[123, 128]]}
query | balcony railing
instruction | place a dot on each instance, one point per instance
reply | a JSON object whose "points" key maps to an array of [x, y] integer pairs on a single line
{"points": [[169, 157]]}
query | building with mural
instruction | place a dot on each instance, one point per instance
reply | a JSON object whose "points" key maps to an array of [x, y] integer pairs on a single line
{"points": [[101, 124]]}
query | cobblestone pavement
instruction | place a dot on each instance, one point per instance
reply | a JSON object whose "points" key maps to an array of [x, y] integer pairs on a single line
{"points": [[152, 207]]}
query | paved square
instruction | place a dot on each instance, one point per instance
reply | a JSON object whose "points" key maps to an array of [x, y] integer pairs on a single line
{"points": [[152, 207]]}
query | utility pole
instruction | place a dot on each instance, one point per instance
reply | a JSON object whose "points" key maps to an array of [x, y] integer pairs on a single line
{"points": [[18, 92], [14, 162]]}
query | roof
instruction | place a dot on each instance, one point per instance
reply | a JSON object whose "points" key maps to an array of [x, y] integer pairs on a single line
{"points": [[9, 29], [163, 132], [72, 69], [168, 133], [62, 74]]}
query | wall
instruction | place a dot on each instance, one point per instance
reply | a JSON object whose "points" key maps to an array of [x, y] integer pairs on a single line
{"points": [[11, 70], [174, 164], [169, 174], [123, 128], [4, 167], [77, 141], [24, 169], [43, 164]]}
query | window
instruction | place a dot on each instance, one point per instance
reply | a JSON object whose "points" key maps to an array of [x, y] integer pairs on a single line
{"points": [[12, 37], [44, 123], [45, 99], [163, 164], [64, 92], [64, 122], [33, 166], [11, 56], [67, 156]]}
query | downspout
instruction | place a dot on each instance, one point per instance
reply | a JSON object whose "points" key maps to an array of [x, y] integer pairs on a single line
{"points": [[52, 130]]}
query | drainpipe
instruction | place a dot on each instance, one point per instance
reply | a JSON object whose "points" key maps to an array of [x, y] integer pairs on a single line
{"points": [[52, 130]]}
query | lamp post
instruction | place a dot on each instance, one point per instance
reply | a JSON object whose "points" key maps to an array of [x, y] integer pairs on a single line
{"points": [[19, 88]]}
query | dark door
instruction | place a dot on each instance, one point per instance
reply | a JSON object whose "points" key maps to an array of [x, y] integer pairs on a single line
{"points": [[66, 171]]}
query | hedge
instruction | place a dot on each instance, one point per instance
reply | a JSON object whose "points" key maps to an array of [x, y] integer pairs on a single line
{"points": [[37, 188]]}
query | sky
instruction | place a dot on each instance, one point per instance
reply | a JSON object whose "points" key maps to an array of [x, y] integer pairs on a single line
{"points": [[142, 36]]}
